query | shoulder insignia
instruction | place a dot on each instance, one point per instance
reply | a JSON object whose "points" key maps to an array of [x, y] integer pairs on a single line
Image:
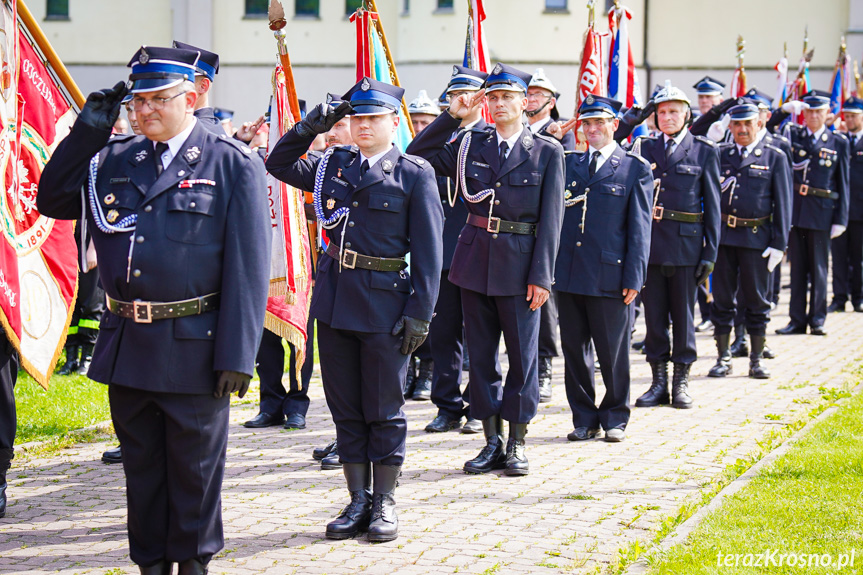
{"points": [[118, 138], [547, 139], [192, 154], [774, 148], [840, 135], [706, 140], [640, 159], [416, 160]]}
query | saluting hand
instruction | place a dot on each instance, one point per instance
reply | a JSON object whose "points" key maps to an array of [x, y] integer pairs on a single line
{"points": [[567, 126], [466, 104], [248, 130], [536, 296], [102, 108]]}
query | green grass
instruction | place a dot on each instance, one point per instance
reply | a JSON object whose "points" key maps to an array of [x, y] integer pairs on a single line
{"points": [[807, 502]]}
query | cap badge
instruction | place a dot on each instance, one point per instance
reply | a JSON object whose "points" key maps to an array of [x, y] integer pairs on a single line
{"points": [[589, 100], [141, 156], [329, 99], [143, 57], [454, 70], [365, 85], [192, 153], [497, 70]]}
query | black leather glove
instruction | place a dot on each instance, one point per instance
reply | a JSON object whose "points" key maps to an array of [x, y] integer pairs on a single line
{"points": [[632, 116], [322, 118], [416, 331], [703, 271], [102, 108], [727, 104], [231, 381], [647, 111]]}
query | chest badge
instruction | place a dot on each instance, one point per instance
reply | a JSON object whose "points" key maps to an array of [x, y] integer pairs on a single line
{"points": [[112, 216], [653, 166], [110, 199], [339, 173], [828, 163], [824, 137], [331, 203], [141, 156], [802, 153], [387, 165], [192, 153], [757, 152]]}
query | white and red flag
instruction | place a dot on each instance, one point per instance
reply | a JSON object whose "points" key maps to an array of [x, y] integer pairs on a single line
{"points": [[476, 56]]}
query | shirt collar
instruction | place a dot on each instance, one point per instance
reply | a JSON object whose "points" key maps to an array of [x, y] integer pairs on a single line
{"points": [[374, 159], [539, 125], [816, 134], [175, 143], [677, 139], [605, 151], [511, 141], [748, 148]]}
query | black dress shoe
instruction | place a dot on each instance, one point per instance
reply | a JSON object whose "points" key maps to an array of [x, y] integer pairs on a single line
{"points": [[704, 326], [836, 307], [472, 426], [443, 423], [295, 421], [858, 307], [791, 329], [582, 433], [638, 345], [321, 452], [264, 420], [331, 461], [113, 455], [768, 353], [160, 568], [191, 567], [817, 330]]}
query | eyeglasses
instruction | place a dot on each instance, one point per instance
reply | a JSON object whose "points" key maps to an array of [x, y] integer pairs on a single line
{"points": [[538, 96], [155, 104]]}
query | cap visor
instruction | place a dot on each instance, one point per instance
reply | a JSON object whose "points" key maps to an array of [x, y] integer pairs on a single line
{"points": [[504, 87], [596, 114], [154, 84], [366, 110]]}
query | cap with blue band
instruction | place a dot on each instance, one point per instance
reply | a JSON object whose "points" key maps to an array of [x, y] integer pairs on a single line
{"points": [[817, 100], [504, 77], [208, 62], [598, 107], [743, 112], [708, 86], [467, 79], [853, 105], [155, 68], [371, 97]]}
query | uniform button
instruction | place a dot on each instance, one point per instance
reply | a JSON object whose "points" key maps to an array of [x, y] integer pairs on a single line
{"points": [[573, 184], [136, 273], [618, 261], [738, 174], [148, 209], [140, 239], [497, 185], [350, 224], [736, 197], [348, 244], [525, 181], [395, 285], [386, 204], [664, 174], [355, 204], [661, 189], [586, 190], [734, 210], [181, 173], [578, 244], [494, 236], [209, 333], [497, 202], [192, 204]]}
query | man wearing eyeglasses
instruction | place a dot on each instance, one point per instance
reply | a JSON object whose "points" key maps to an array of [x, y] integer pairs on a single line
{"points": [[181, 229]]}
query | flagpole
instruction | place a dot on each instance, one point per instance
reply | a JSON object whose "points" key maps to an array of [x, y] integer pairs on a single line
{"points": [[392, 66], [50, 55]]}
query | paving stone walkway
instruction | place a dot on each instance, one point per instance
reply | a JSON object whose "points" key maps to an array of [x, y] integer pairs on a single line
{"points": [[579, 505]]}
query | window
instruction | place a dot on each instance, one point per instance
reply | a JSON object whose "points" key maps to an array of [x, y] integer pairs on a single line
{"points": [[307, 8], [555, 6], [445, 5], [351, 6], [57, 10], [406, 7], [256, 8]]}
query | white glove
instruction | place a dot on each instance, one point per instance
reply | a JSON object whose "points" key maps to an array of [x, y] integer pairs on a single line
{"points": [[773, 256], [794, 107], [836, 230], [91, 256]]}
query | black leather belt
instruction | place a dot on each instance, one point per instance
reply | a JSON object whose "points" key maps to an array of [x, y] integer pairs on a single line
{"points": [[660, 213], [735, 222], [351, 259], [495, 225], [806, 190], [147, 311]]}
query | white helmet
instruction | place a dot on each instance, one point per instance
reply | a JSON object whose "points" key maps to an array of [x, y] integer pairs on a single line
{"points": [[671, 94], [423, 105]]}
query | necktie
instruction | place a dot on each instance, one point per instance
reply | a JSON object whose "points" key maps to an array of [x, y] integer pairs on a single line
{"points": [[503, 148], [364, 168], [853, 141], [591, 169], [744, 153], [669, 146], [161, 148]]}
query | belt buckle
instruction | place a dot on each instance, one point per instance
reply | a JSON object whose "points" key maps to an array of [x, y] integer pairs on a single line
{"points": [[804, 190], [147, 307], [658, 211], [349, 259], [493, 225], [732, 221]]}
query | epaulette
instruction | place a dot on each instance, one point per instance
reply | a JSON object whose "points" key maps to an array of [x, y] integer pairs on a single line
{"points": [[548, 138], [646, 138], [421, 162], [639, 158], [774, 148], [781, 138], [706, 140], [841, 135], [117, 138], [725, 144], [241, 146], [485, 130], [569, 152]]}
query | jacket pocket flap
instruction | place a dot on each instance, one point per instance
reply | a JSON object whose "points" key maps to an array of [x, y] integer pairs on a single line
{"points": [[611, 258], [196, 326], [194, 201], [686, 169], [687, 229], [613, 189], [524, 179], [391, 281], [386, 202]]}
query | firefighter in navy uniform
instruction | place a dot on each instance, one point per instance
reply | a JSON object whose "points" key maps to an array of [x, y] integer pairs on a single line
{"points": [[181, 332], [378, 204], [512, 182], [600, 268], [8, 420], [684, 240], [446, 333], [756, 216], [819, 212], [848, 247]]}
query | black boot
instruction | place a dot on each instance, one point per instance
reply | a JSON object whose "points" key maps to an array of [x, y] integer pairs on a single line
{"points": [[160, 568], [355, 517], [680, 386], [516, 460], [192, 566], [411, 377], [6, 456], [384, 525], [86, 359], [723, 361], [755, 369], [658, 392], [71, 365], [492, 455], [544, 379], [740, 345], [423, 382], [331, 460]]}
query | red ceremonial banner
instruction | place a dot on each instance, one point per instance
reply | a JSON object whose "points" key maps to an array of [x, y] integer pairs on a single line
{"points": [[38, 259]]}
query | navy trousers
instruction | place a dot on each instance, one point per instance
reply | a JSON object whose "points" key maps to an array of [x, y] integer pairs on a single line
{"points": [[810, 251], [485, 319], [847, 251], [548, 328], [606, 322], [669, 291], [740, 272], [446, 338], [363, 375], [275, 400], [8, 376], [174, 459]]}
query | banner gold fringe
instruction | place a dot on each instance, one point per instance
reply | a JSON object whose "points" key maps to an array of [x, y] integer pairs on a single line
{"points": [[293, 336]]}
